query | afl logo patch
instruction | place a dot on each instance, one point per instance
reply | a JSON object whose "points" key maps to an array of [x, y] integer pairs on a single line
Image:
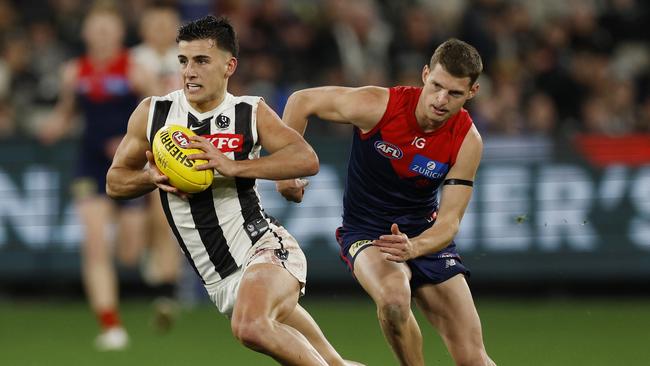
{"points": [[180, 139], [222, 121], [388, 150]]}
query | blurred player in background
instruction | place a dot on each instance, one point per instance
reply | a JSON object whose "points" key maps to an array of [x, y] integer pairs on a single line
{"points": [[158, 51], [409, 144], [104, 85], [252, 268], [158, 55]]}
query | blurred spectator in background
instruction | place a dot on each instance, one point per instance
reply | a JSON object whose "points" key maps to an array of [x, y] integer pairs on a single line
{"points": [[104, 85], [568, 51], [355, 43], [540, 115], [158, 51], [21, 81], [411, 47], [158, 54]]}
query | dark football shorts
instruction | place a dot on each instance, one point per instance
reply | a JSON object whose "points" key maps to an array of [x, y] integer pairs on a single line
{"points": [[430, 269], [90, 180]]}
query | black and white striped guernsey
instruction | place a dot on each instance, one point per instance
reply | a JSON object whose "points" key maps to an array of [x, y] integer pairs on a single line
{"points": [[216, 227]]}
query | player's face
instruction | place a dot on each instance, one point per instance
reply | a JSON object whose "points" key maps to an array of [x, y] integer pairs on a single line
{"points": [[205, 70], [103, 30], [442, 95], [158, 28]]}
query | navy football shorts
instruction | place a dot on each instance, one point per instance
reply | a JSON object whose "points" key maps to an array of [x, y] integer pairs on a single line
{"points": [[430, 269], [90, 180]]}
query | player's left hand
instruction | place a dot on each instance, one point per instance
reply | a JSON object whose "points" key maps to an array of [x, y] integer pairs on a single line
{"points": [[292, 189], [161, 180], [397, 245], [216, 159]]}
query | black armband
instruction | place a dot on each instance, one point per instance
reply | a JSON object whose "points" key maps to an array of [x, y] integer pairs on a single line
{"points": [[462, 182]]}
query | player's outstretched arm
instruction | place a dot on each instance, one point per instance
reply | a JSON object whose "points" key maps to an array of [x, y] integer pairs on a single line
{"points": [[127, 178], [290, 156], [362, 107], [454, 200]]}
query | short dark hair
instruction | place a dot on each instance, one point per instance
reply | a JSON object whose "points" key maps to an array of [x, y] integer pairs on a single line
{"points": [[458, 58], [209, 27]]}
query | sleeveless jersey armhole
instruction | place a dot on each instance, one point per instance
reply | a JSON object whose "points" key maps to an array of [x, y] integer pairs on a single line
{"points": [[388, 113], [460, 134], [152, 106]]}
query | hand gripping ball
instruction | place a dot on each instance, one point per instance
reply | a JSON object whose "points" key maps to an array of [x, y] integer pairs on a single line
{"points": [[170, 152]]}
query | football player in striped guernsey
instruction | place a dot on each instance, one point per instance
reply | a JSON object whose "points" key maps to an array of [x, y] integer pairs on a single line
{"points": [[409, 144], [251, 267]]}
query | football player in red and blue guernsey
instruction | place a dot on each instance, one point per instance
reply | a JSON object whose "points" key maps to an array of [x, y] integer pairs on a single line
{"points": [[103, 86], [410, 144]]}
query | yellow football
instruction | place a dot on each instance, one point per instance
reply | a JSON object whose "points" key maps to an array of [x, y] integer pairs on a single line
{"points": [[170, 152]]}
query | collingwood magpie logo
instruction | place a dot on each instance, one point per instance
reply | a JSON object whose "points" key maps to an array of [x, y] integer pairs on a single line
{"points": [[222, 121]]}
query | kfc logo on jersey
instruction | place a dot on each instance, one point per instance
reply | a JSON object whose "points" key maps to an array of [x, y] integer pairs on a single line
{"points": [[388, 150], [429, 168], [226, 142], [180, 139]]}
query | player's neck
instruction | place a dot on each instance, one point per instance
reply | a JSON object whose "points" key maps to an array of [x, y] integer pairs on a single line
{"points": [[101, 56], [209, 105], [427, 125]]}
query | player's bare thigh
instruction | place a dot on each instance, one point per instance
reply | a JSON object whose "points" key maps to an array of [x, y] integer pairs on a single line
{"points": [[450, 308], [266, 290], [381, 277], [132, 233], [96, 213]]}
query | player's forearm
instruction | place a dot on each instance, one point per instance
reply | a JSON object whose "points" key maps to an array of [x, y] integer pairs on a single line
{"points": [[436, 238], [292, 161], [123, 183]]}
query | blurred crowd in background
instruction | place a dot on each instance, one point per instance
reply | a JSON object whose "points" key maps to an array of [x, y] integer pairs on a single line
{"points": [[552, 68]]}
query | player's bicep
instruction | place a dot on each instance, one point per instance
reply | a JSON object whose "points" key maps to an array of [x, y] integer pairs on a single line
{"points": [[458, 187], [131, 151], [273, 134], [362, 107], [468, 158]]}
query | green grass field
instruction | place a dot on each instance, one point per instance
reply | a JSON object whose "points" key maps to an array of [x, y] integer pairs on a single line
{"points": [[517, 332]]}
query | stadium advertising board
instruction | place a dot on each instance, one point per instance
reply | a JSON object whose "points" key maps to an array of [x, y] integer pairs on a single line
{"points": [[536, 215]]}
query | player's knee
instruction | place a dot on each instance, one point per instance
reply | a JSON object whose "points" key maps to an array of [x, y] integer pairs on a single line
{"points": [[394, 306], [128, 258], [251, 332]]}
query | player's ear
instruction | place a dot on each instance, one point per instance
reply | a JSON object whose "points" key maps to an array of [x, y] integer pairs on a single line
{"points": [[231, 66], [425, 73], [474, 90]]}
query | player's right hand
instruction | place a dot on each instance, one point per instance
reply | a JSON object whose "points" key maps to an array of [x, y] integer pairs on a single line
{"points": [[161, 180], [292, 189]]}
